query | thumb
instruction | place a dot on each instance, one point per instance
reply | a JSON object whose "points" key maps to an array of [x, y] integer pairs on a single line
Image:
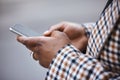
{"points": [[21, 39], [29, 41], [47, 33], [58, 34]]}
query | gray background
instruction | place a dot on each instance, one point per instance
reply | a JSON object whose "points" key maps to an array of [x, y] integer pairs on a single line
{"points": [[15, 60]]}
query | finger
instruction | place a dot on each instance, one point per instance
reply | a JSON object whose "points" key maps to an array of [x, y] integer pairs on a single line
{"points": [[55, 34], [58, 34], [21, 39], [47, 33], [27, 40], [57, 27], [30, 42]]}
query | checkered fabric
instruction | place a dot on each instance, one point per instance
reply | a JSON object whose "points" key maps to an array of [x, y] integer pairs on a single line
{"points": [[103, 28], [102, 59], [70, 64], [88, 28]]}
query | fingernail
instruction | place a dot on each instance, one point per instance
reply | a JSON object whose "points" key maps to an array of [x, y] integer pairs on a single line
{"points": [[21, 38], [46, 32]]}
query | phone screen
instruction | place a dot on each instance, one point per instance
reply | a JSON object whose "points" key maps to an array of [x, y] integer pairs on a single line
{"points": [[23, 31]]}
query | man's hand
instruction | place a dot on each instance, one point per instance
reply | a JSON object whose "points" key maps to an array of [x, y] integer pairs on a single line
{"points": [[75, 32], [45, 48]]}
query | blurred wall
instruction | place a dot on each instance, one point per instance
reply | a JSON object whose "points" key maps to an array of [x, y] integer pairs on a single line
{"points": [[15, 60]]}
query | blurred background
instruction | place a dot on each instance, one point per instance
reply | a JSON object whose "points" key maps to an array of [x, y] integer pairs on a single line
{"points": [[15, 60]]}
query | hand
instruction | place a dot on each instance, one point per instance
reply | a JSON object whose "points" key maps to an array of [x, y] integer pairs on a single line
{"points": [[45, 48], [75, 32]]}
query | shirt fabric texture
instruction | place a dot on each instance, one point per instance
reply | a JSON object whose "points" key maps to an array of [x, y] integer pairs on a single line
{"points": [[102, 58]]}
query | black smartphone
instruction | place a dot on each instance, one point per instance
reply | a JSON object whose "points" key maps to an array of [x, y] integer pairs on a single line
{"points": [[23, 31]]}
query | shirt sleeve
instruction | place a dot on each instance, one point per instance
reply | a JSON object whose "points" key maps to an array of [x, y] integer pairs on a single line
{"points": [[71, 64], [88, 27]]}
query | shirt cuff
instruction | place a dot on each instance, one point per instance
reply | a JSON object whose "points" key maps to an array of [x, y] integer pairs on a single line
{"points": [[60, 61], [88, 28], [63, 52]]}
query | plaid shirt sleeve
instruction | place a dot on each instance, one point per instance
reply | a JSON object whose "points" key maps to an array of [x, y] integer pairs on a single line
{"points": [[88, 28], [71, 64]]}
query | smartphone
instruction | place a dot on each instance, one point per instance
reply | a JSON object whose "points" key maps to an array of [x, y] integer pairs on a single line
{"points": [[23, 31]]}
